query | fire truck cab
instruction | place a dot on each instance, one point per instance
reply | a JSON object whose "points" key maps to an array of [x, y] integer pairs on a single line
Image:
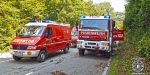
{"points": [[38, 39], [98, 33]]}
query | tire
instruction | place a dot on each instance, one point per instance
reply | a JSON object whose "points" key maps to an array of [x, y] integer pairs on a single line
{"points": [[81, 52], [107, 54], [16, 58], [66, 49], [42, 56]]}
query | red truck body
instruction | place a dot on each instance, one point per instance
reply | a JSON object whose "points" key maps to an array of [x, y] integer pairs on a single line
{"points": [[98, 33], [74, 36], [40, 39]]}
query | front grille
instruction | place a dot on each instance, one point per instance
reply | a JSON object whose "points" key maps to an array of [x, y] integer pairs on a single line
{"points": [[87, 46], [91, 43], [20, 47], [93, 47]]}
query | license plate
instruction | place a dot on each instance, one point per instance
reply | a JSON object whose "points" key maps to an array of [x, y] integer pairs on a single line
{"points": [[17, 53]]}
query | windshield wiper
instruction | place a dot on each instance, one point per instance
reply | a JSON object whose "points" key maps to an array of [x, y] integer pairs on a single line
{"points": [[25, 35], [91, 28]]}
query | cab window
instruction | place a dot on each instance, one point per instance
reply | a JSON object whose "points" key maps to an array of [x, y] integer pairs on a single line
{"points": [[48, 32]]}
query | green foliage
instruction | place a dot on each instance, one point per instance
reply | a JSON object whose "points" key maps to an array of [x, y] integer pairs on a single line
{"points": [[13, 15], [119, 22], [114, 66], [121, 63], [137, 22]]}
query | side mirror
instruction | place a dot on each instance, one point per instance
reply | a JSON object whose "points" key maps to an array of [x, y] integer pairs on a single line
{"points": [[77, 26], [113, 24], [115, 28], [46, 35]]}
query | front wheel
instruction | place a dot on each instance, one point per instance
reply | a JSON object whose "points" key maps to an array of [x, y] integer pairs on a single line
{"points": [[16, 58], [107, 54], [42, 56], [66, 49], [81, 51]]}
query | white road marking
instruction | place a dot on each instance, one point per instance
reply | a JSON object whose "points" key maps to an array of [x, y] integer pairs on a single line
{"points": [[29, 73], [5, 55], [106, 68]]}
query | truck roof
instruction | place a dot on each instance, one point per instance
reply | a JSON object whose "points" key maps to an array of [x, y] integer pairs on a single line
{"points": [[95, 17], [45, 24]]}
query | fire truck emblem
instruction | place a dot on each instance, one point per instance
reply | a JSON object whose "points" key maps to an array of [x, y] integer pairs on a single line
{"points": [[138, 65], [23, 41], [92, 33]]}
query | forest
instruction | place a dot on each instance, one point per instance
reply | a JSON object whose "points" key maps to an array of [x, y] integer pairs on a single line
{"points": [[137, 17], [14, 14]]}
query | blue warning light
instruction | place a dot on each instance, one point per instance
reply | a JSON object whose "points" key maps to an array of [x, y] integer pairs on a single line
{"points": [[83, 16], [32, 21], [46, 21], [107, 16]]}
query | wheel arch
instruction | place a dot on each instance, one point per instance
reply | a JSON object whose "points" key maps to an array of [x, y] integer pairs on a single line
{"points": [[44, 48]]}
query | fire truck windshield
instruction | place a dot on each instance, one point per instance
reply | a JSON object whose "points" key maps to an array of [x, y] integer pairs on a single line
{"points": [[94, 24], [32, 31]]}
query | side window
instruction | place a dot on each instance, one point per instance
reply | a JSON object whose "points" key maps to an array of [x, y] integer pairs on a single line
{"points": [[49, 32]]}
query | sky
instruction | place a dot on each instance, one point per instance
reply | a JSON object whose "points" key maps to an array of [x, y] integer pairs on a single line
{"points": [[118, 5]]}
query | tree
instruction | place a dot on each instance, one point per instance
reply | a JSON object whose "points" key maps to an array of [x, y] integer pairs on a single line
{"points": [[14, 14], [137, 22]]}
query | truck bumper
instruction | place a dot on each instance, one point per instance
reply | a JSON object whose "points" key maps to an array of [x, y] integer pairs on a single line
{"points": [[94, 45], [24, 53]]}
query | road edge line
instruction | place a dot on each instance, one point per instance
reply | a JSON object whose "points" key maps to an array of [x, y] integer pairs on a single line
{"points": [[106, 69], [29, 73]]}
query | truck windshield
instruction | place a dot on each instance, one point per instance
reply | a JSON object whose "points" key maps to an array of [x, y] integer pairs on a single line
{"points": [[74, 32], [32, 31], [94, 24]]}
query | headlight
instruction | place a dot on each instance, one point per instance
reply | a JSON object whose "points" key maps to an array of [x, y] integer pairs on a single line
{"points": [[79, 42], [105, 44], [31, 47]]}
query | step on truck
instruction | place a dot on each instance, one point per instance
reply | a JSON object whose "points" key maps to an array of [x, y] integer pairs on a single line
{"points": [[98, 33], [38, 39]]}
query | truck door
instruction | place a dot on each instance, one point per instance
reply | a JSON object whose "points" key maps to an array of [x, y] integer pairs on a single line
{"points": [[58, 37], [50, 44]]}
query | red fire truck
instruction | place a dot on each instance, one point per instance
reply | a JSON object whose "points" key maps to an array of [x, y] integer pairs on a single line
{"points": [[74, 33], [98, 33], [38, 39]]}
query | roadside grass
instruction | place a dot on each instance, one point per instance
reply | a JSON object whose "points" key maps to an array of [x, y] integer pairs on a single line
{"points": [[121, 63]]}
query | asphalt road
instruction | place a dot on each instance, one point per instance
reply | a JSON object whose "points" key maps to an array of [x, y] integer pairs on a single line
{"points": [[56, 63]]}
